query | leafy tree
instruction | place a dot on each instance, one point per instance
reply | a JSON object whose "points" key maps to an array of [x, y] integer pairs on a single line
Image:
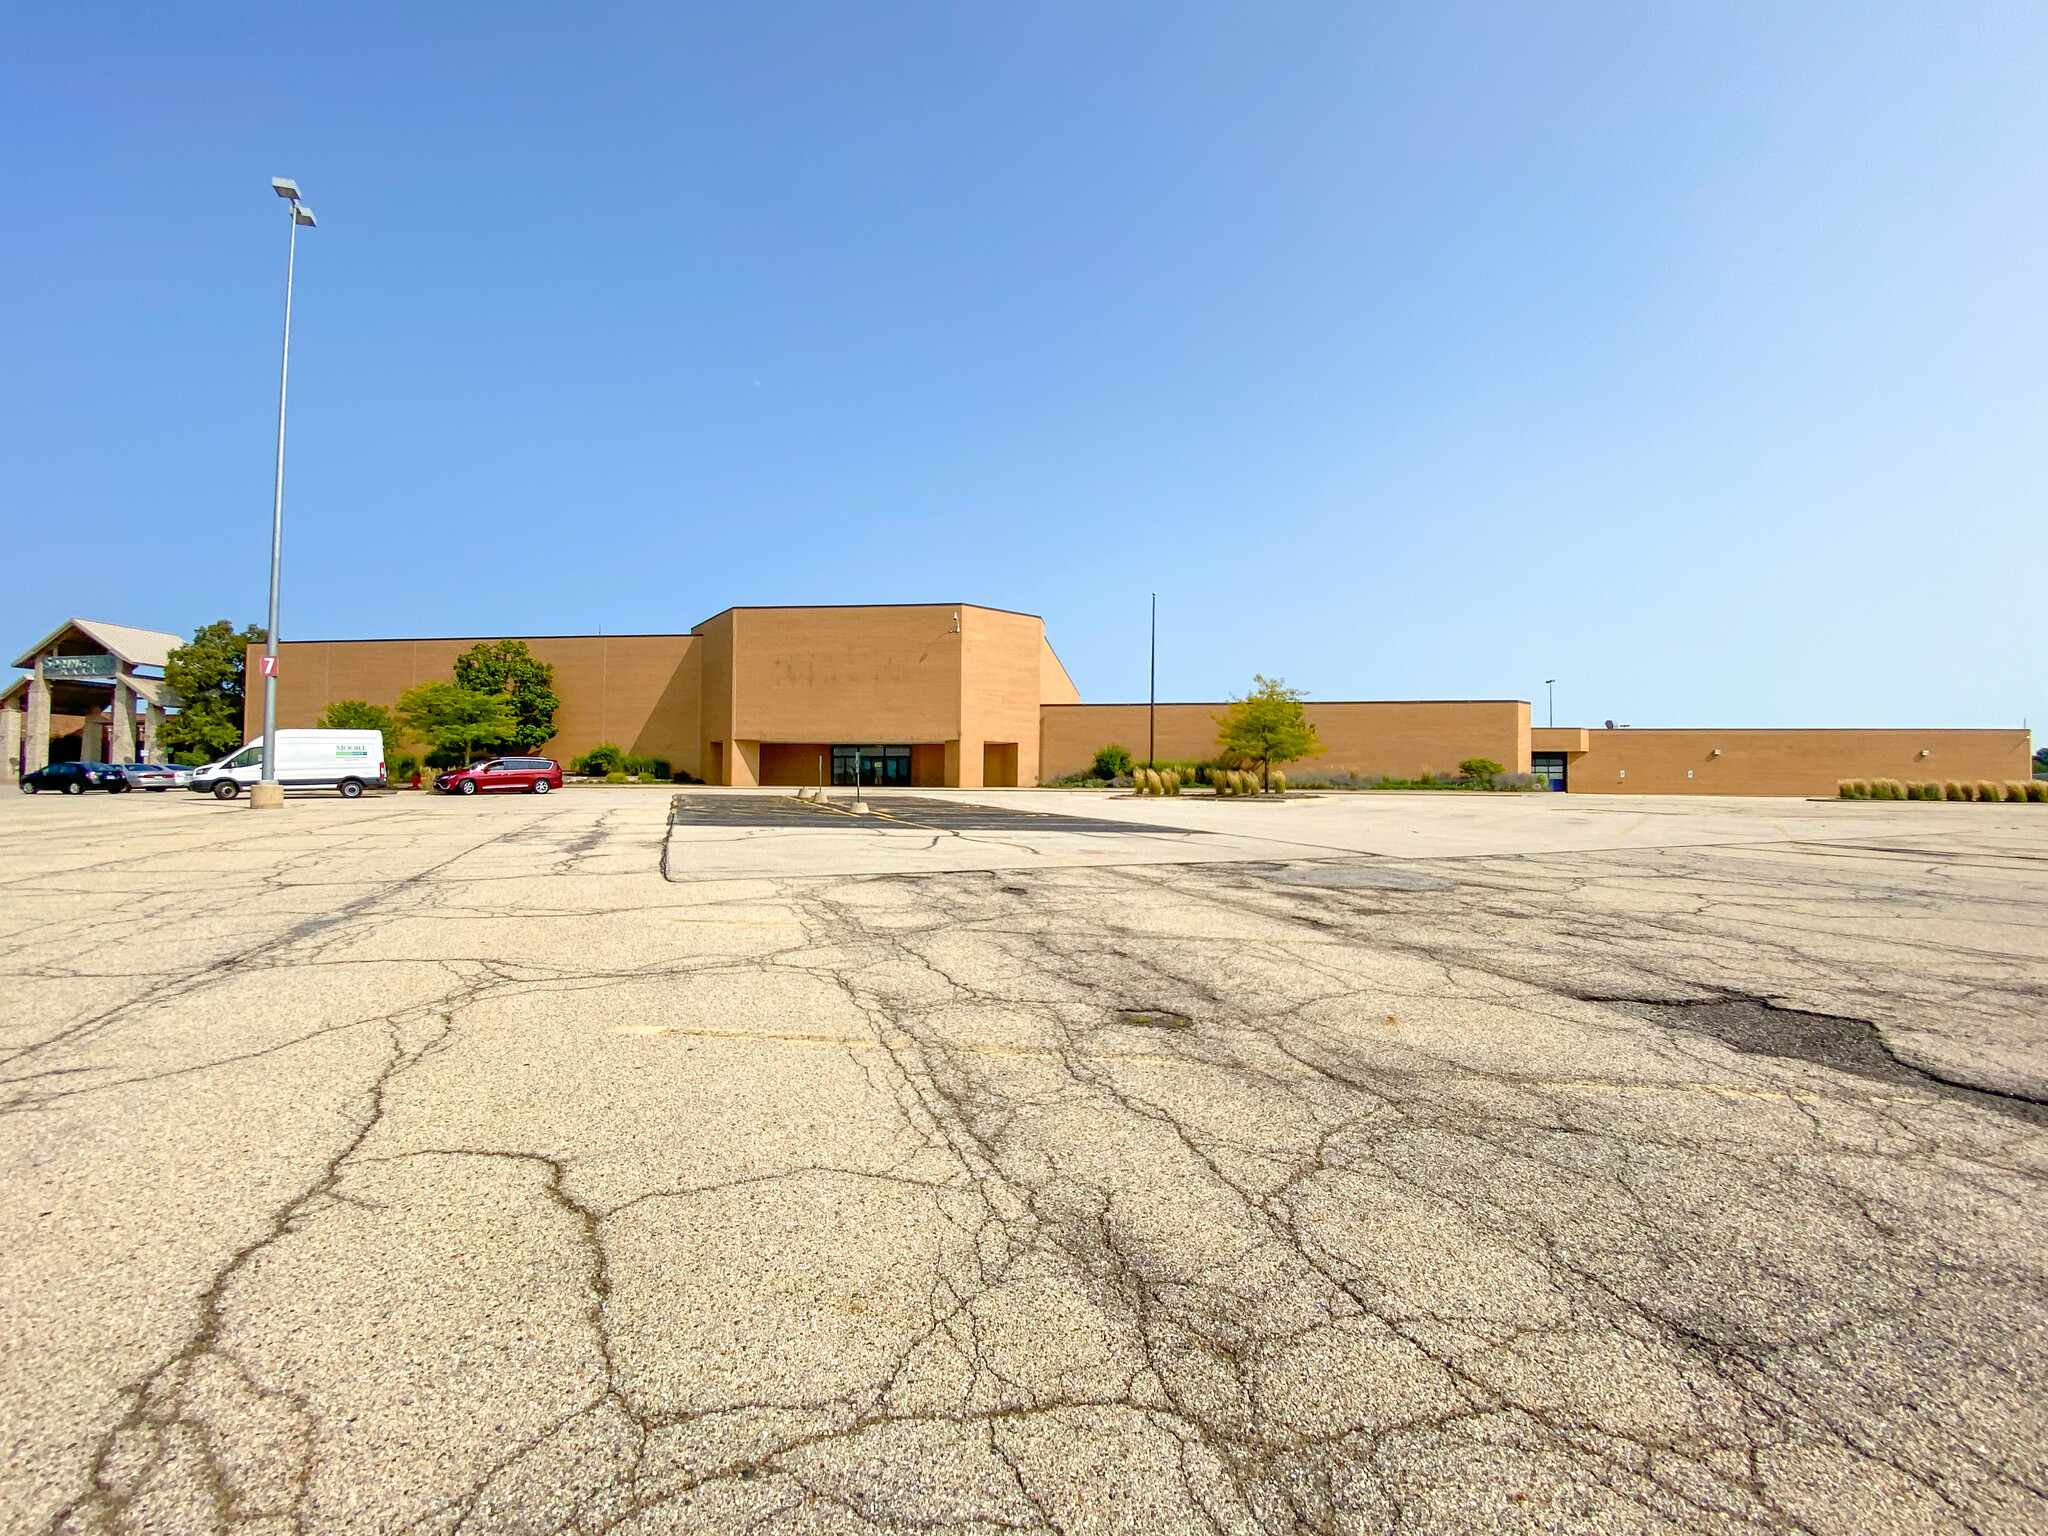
{"points": [[452, 718], [1481, 770], [356, 715], [508, 667], [1112, 762], [209, 678], [1267, 726]]}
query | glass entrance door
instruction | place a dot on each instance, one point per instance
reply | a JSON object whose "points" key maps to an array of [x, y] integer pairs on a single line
{"points": [[1547, 768], [880, 767]]}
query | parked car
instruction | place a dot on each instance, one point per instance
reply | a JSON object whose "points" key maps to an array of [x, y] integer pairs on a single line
{"points": [[528, 775], [154, 777], [74, 779], [347, 761]]}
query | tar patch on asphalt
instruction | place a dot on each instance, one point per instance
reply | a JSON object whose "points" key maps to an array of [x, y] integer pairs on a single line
{"points": [[1853, 1046], [1354, 877], [886, 811]]}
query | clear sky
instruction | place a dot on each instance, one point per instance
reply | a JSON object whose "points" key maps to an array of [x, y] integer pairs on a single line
{"points": [[1693, 355]]}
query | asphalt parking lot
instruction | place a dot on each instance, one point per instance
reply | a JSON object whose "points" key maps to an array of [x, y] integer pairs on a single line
{"points": [[1349, 1164]]}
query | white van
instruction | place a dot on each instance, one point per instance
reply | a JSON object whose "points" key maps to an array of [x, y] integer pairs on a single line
{"points": [[343, 760]]}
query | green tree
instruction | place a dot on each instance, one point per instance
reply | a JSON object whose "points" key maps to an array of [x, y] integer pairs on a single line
{"points": [[508, 667], [452, 718], [1481, 770], [357, 715], [1267, 726], [209, 678]]}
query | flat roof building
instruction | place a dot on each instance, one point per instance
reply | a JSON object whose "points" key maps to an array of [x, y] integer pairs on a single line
{"points": [[959, 695]]}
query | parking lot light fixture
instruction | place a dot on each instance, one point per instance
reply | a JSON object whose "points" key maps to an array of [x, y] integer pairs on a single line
{"points": [[271, 795]]}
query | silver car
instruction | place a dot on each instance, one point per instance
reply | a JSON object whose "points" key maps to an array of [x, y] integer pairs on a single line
{"points": [[154, 777]]}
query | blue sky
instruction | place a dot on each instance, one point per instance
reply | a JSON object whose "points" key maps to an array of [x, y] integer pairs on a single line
{"points": [[1694, 355]]}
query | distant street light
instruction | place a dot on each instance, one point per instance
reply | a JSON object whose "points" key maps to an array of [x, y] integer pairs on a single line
{"points": [[274, 797], [1551, 684]]}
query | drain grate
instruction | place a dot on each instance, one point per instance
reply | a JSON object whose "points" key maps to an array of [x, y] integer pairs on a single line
{"points": [[1854, 1046]]}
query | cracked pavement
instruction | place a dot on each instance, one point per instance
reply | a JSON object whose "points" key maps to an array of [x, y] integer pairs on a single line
{"points": [[424, 1165]]}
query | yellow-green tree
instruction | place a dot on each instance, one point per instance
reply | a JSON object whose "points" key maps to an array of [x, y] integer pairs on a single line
{"points": [[1267, 726], [451, 718]]}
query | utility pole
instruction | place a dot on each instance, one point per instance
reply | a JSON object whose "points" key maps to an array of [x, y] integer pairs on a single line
{"points": [[1551, 684]]}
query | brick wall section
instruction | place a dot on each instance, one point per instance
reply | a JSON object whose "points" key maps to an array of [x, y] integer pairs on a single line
{"points": [[1398, 740], [639, 691], [1798, 762]]}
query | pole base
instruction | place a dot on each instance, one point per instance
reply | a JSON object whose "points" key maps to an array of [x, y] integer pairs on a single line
{"points": [[266, 797]]}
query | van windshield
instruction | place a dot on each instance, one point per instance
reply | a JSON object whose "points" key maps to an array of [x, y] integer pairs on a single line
{"points": [[248, 757]]}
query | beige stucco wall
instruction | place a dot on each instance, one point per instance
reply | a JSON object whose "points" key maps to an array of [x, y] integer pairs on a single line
{"points": [[1795, 762], [639, 691], [1377, 739]]}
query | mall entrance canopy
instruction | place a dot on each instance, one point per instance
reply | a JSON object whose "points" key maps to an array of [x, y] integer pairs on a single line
{"points": [[87, 676]]}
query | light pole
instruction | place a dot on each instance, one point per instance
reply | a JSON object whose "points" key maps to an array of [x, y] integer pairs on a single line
{"points": [[269, 794], [1551, 684], [1152, 693]]}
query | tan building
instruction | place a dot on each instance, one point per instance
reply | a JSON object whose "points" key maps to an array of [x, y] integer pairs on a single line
{"points": [[78, 703], [928, 694], [953, 694]]}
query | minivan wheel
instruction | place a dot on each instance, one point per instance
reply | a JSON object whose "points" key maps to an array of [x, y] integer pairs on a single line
{"points": [[466, 787], [350, 788], [541, 786], [226, 789]]}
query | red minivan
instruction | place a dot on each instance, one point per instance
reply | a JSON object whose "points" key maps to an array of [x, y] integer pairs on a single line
{"points": [[529, 775]]}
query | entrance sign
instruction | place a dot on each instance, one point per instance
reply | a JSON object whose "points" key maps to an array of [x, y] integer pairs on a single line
{"points": [[78, 666]]}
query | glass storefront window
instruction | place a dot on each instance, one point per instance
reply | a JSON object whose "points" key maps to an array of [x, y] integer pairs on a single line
{"points": [[880, 767]]}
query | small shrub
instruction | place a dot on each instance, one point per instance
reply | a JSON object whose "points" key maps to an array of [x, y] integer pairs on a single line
{"points": [[1893, 789], [2037, 790], [601, 760], [1987, 790], [1111, 762], [1172, 782], [1279, 783], [1953, 791], [1927, 790], [615, 778], [1846, 788], [2016, 790]]}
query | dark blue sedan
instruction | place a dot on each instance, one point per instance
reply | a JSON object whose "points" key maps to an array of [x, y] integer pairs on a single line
{"points": [[74, 779]]}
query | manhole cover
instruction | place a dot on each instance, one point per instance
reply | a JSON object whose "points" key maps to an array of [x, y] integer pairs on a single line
{"points": [[1154, 1018], [1354, 878]]}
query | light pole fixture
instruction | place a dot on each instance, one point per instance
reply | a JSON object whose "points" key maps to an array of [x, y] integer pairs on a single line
{"points": [[1551, 684], [269, 794]]}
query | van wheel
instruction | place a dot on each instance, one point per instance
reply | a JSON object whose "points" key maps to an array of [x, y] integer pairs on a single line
{"points": [[226, 789], [466, 787], [541, 786], [350, 788]]}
